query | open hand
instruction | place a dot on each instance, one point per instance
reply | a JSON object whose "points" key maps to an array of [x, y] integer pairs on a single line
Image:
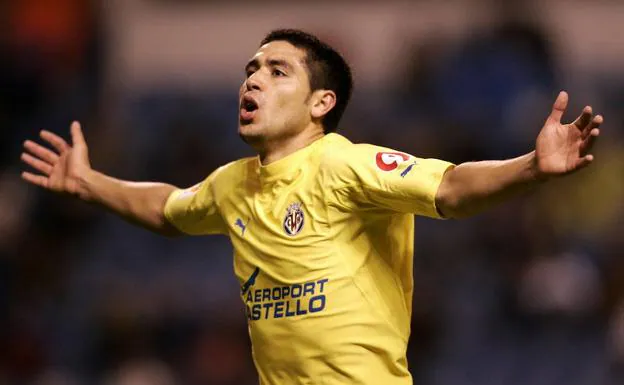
{"points": [[564, 148], [61, 171]]}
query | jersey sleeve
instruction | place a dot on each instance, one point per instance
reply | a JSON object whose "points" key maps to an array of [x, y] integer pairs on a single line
{"points": [[194, 210], [369, 175]]}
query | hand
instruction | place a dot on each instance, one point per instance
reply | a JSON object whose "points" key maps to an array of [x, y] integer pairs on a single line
{"points": [[564, 148], [62, 170]]}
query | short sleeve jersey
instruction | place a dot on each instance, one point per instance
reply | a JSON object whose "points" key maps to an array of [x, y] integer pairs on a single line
{"points": [[323, 245]]}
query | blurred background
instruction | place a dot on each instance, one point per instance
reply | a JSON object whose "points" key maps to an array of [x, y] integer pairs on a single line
{"points": [[530, 293]]}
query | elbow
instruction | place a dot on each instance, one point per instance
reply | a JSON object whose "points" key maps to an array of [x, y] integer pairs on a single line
{"points": [[169, 231], [446, 202], [458, 213], [451, 199], [165, 228], [162, 225], [156, 221], [449, 209], [456, 208], [450, 205]]}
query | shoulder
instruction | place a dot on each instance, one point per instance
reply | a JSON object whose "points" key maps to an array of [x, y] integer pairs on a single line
{"points": [[207, 194], [338, 150], [341, 154], [234, 171], [225, 178]]}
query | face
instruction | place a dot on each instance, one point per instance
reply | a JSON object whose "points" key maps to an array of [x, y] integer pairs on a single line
{"points": [[275, 96]]}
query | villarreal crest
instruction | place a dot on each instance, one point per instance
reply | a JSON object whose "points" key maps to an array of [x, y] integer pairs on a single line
{"points": [[293, 221]]}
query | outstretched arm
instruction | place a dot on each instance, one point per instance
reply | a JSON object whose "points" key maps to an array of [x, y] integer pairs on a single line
{"points": [[560, 149], [68, 171]]}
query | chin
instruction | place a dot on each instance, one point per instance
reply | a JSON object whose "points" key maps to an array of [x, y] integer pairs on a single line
{"points": [[250, 133]]}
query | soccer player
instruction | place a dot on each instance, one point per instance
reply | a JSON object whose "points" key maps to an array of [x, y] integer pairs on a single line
{"points": [[322, 228]]}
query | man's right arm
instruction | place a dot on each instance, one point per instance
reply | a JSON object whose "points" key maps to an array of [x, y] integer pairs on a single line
{"points": [[141, 203], [68, 171]]}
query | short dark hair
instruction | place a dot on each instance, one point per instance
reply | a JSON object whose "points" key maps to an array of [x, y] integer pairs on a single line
{"points": [[327, 69]]}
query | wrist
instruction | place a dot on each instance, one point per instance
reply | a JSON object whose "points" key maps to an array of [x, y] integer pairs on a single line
{"points": [[536, 174], [86, 183]]}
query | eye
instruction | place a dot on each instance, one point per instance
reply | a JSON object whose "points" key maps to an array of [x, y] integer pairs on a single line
{"points": [[248, 73], [277, 72]]}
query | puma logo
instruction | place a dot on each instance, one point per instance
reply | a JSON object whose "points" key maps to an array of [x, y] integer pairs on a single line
{"points": [[243, 226], [407, 170]]}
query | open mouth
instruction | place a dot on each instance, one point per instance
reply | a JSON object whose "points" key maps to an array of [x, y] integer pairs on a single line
{"points": [[250, 105], [248, 109]]}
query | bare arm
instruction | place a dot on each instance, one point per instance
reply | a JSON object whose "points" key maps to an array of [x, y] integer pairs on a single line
{"points": [[69, 172], [473, 187], [560, 150], [141, 203]]}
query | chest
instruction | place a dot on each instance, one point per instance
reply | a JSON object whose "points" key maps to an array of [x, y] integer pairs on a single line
{"points": [[283, 229], [285, 213]]}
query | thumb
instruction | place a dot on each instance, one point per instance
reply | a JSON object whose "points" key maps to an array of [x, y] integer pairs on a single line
{"points": [[561, 103], [78, 139]]}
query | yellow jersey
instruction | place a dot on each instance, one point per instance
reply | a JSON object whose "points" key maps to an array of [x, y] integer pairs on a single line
{"points": [[323, 244]]}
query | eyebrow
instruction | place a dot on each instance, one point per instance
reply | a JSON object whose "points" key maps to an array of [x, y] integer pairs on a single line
{"points": [[255, 63]]}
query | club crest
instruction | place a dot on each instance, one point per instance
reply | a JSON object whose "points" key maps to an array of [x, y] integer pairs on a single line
{"points": [[293, 221]]}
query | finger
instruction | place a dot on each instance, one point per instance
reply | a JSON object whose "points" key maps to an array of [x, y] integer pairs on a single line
{"points": [[561, 103], [595, 123], [583, 120], [38, 180], [41, 152], [56, 141], [584, 161], [37, 164], [76, 134], [589, 142]]}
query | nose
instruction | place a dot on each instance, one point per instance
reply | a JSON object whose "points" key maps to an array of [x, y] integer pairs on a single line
{"points": [[253, 83]]}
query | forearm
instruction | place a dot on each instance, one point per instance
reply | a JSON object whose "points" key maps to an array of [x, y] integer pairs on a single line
{"points": [[141, 203], [473, 187]]}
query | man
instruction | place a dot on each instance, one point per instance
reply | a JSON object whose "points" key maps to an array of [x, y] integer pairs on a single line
{"points": [[322, 228]]}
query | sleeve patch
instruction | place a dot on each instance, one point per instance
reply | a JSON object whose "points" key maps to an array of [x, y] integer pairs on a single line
{"points": [[388, 161]]}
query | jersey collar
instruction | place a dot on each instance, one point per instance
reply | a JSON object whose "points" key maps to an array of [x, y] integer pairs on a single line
{"points": [[288, 163]]}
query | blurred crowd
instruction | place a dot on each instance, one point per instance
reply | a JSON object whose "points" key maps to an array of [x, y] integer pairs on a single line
{"points": [[530, 293]]}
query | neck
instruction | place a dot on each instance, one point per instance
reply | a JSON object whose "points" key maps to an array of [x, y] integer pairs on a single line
{"points": [[278, 149]]}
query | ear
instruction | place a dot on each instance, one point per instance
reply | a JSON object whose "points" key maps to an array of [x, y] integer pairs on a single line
{"points": [[322, 102]]}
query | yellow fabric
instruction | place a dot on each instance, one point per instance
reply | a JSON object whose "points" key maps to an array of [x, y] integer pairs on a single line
{"points": [[323, 243]]}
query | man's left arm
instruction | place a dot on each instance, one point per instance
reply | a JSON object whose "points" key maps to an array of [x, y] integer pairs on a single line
{"points": [[560, 149]]}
